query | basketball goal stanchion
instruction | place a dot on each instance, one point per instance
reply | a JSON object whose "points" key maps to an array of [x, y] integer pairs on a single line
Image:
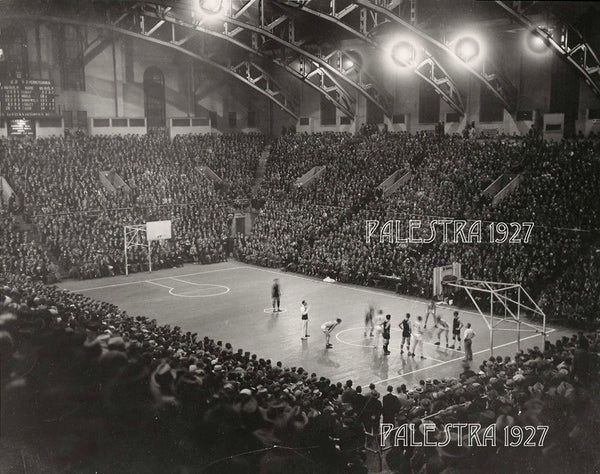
{"points": [[514, 305], [142, 235]]}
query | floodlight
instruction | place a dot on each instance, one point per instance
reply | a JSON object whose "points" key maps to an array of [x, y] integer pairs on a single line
{"points": [[467, 49], [404, 53], [536, 44], [210, 7]]}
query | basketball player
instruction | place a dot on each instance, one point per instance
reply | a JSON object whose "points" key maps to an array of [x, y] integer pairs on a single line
{"points": [[276, 295], [405, 326], [457, 325], [417, 335], [443, 329], [378, 323], [304, 316], [327, 328], [430, 312], [387, 326], [369, 321]]}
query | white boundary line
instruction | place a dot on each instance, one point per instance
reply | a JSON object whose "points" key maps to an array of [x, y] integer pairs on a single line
{"points": [[158, 284], [394, 295], [116, 285], [172, 293], [454, 360]]}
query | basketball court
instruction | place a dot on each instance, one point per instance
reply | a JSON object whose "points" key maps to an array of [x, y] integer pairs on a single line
{"points": [[231, 302]]}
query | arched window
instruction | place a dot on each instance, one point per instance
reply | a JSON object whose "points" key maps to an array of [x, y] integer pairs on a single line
{"points": [[13, 42], [154, 97], [71, 47]]}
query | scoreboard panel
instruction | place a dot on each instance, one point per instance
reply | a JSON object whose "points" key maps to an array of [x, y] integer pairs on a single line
{"points": [[21, 128], [31, 98]]}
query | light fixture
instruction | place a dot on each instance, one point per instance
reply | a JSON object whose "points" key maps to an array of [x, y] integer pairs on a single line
{"points": [[536, 44], [467, 49], [210, 7], [404, 53]]}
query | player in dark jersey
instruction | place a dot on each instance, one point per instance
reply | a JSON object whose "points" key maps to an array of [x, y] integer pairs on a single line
{"points": [[405, 326], [276, 296], [457, 325], [387, 327], [369, 321]]}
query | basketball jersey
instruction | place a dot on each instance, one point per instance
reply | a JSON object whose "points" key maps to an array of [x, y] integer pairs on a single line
{"points": [[405, 328], [386, 329], [456, 325]]}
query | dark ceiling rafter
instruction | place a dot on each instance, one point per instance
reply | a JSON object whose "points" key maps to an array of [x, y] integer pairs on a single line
{"points": [[251, 74], [428, 69], [299, 66], [154, 18], [321, 67], [572, 47], [494, 81]]}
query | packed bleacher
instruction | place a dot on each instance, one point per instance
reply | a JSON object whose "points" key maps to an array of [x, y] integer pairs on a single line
{"points": [[105, 391], [321, 230], [80, 222]]}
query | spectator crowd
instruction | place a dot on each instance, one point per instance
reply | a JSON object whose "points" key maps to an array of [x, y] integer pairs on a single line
{"points": [[81, 222], [87, 387], [320, 229]]}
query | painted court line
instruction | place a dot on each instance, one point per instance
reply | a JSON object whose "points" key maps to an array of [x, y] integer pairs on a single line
{"points": [[116, 285], [157, 284], [381, 293], [454, 360]]}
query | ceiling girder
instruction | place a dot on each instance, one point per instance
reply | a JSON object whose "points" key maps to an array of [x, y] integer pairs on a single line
{"points": [[493, 80], [571, 47], [428, 69], [247, 72]]}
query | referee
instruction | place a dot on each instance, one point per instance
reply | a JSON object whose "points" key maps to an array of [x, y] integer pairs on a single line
{"points": [[276, 295], [468, 337]]}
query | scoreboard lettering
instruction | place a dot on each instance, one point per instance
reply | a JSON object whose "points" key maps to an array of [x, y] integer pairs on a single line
{"points": [[21, 128], [30, 98]]}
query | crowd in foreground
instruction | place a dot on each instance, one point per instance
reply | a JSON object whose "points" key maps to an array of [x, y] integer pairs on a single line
{"points": [[87, 387]]}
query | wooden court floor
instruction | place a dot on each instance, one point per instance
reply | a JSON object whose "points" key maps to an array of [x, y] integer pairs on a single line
{"points": [[232, 302]]}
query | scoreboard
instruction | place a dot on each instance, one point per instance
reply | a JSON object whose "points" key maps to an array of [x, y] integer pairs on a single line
{"points": [[28, 98]]}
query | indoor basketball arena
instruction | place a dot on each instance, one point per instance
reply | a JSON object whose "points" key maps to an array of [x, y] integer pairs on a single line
{"points": [[299, 236]]}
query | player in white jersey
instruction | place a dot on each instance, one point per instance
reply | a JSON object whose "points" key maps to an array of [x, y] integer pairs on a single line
{"points": [[444, 329], [327, 328], [417, 335], [431, 311]]}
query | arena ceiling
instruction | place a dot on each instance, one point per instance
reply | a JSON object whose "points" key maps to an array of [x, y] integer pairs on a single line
{"points": [[251, 39]]}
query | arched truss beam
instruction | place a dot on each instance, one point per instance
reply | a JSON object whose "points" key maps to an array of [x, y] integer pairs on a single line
{"points": [[572, 47], [428, 69], [243, 23], [150, 20], [372, 16], [250, 73]]}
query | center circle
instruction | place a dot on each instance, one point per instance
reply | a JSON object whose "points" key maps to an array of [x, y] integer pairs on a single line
{"points": [[217, 290]]}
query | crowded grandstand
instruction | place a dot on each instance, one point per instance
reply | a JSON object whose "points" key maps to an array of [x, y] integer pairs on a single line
{"points": [[263, 137]]}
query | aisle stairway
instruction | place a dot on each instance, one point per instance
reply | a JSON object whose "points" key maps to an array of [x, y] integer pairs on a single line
{"points": [[260, 169]]}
